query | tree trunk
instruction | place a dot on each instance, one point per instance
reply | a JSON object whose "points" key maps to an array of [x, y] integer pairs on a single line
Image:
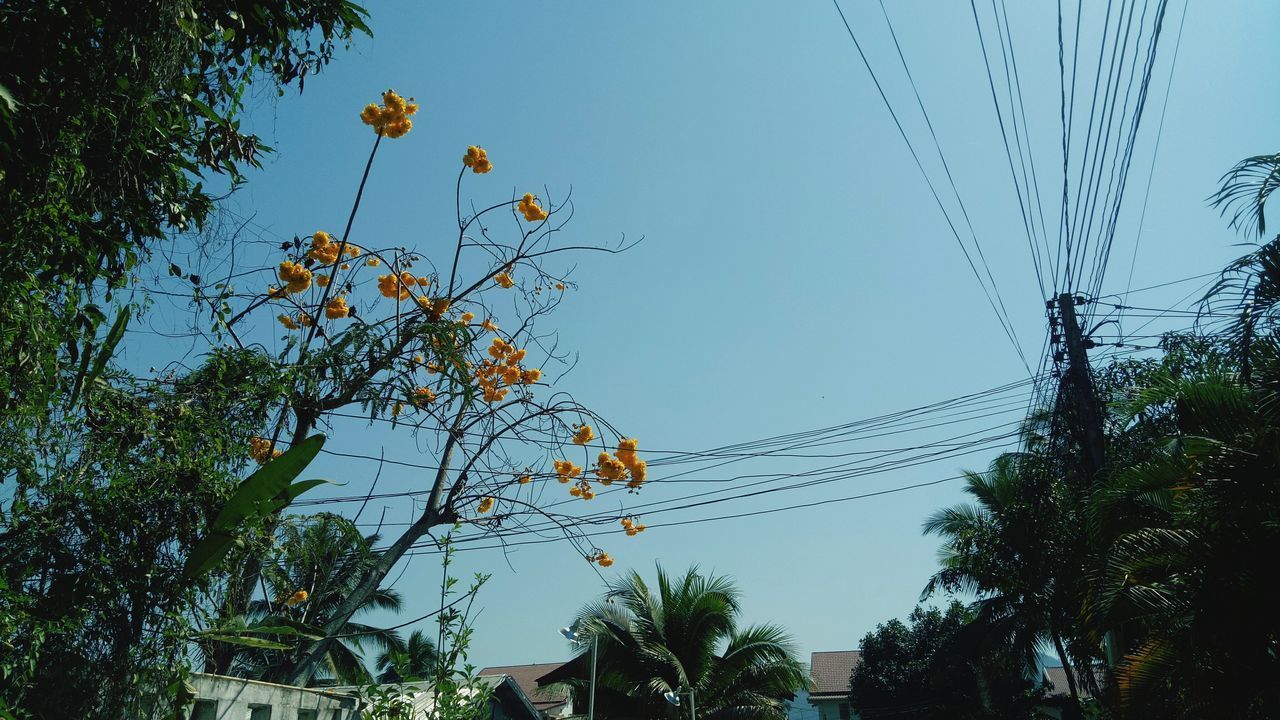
{"points": [[1073, 711], [433, 516]]}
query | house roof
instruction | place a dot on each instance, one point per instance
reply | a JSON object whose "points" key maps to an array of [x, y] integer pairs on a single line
{"points": [[526, 676], [830, 672], [1058, 685]]}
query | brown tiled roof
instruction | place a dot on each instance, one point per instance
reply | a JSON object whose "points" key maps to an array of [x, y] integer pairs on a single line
{"points": [[526, 676], [1058, 684], [830, 672]]}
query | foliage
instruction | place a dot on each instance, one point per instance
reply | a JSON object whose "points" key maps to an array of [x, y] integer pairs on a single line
{"points": [[310, 569], [446, 348], [415, 661], [444, 684], [928, 668], [105, 507], [682, 635]]}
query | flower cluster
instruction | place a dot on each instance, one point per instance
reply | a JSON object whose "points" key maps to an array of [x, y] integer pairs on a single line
{"points": [[297, 598], [293, 322], [392, 117], [583, 490], [566, 470], [631, 527], [337, 308], [261, 451], [325, 250], [486, 504], [530, 209], [600, 558], [423, 396], [477, 159], [583, 435], [396, 286], [295, 277], [503, 369]]}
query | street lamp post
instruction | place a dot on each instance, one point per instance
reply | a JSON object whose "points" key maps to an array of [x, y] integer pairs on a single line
{"points": [[573, 636], [674, 699]]}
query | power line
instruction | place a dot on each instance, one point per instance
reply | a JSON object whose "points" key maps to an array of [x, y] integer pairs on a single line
{"points": [[1002, 317]]}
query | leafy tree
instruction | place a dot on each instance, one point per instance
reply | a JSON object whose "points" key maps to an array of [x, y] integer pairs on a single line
{"points": [[449, 348], [1004, 547], [111, 115], [322, 556], [416, 660], [683, 635], [105, 507], [929, 667]]}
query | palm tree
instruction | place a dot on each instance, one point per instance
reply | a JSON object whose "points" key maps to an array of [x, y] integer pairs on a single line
{"points": [[417, 660], [324, 555], [683, 637], [1005, 548]]}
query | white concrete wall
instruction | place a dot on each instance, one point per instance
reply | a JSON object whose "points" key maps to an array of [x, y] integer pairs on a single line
{"points": [[236, 698]]}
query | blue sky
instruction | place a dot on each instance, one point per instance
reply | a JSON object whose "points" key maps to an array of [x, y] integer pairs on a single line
{"points": [[794, 271]]}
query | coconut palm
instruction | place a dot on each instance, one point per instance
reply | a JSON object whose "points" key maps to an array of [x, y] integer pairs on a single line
{"points": [[416, 660], [323, 555], [1005, 549], [681, 636]]}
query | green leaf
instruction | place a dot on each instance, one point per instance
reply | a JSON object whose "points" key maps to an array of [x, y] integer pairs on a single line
{"points": [[7, 99], [269, 481], [262, 493], [249, 641]]}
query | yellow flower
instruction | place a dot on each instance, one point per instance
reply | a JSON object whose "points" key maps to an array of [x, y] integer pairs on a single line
{"points": [[639, 471], [524, 480], [297, 598], [261, 451], [560, 286], [397, 408], [565, 470], [295, 277], [467, 317], [337, 308], [423, 396], [583, 435], [392, 118], [504, 280], [609, 468], [516, 357], [373, 262], [477, 159], [575, 491], [486, 504], [511, 376], [323, 248], [287, 322], [275, 292], [424, 281], [604, 560], [627, 451], [392, 287], [529, 377], [324, 280], [530, 209], [489, 325], [418, 359], [439, 307]]}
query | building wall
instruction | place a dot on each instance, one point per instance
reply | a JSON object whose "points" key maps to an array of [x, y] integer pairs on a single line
{"points": [[833, 709], [227, 698]]}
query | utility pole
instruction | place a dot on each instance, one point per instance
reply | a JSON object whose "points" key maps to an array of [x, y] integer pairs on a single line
{"points": [[1088, 425]]}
